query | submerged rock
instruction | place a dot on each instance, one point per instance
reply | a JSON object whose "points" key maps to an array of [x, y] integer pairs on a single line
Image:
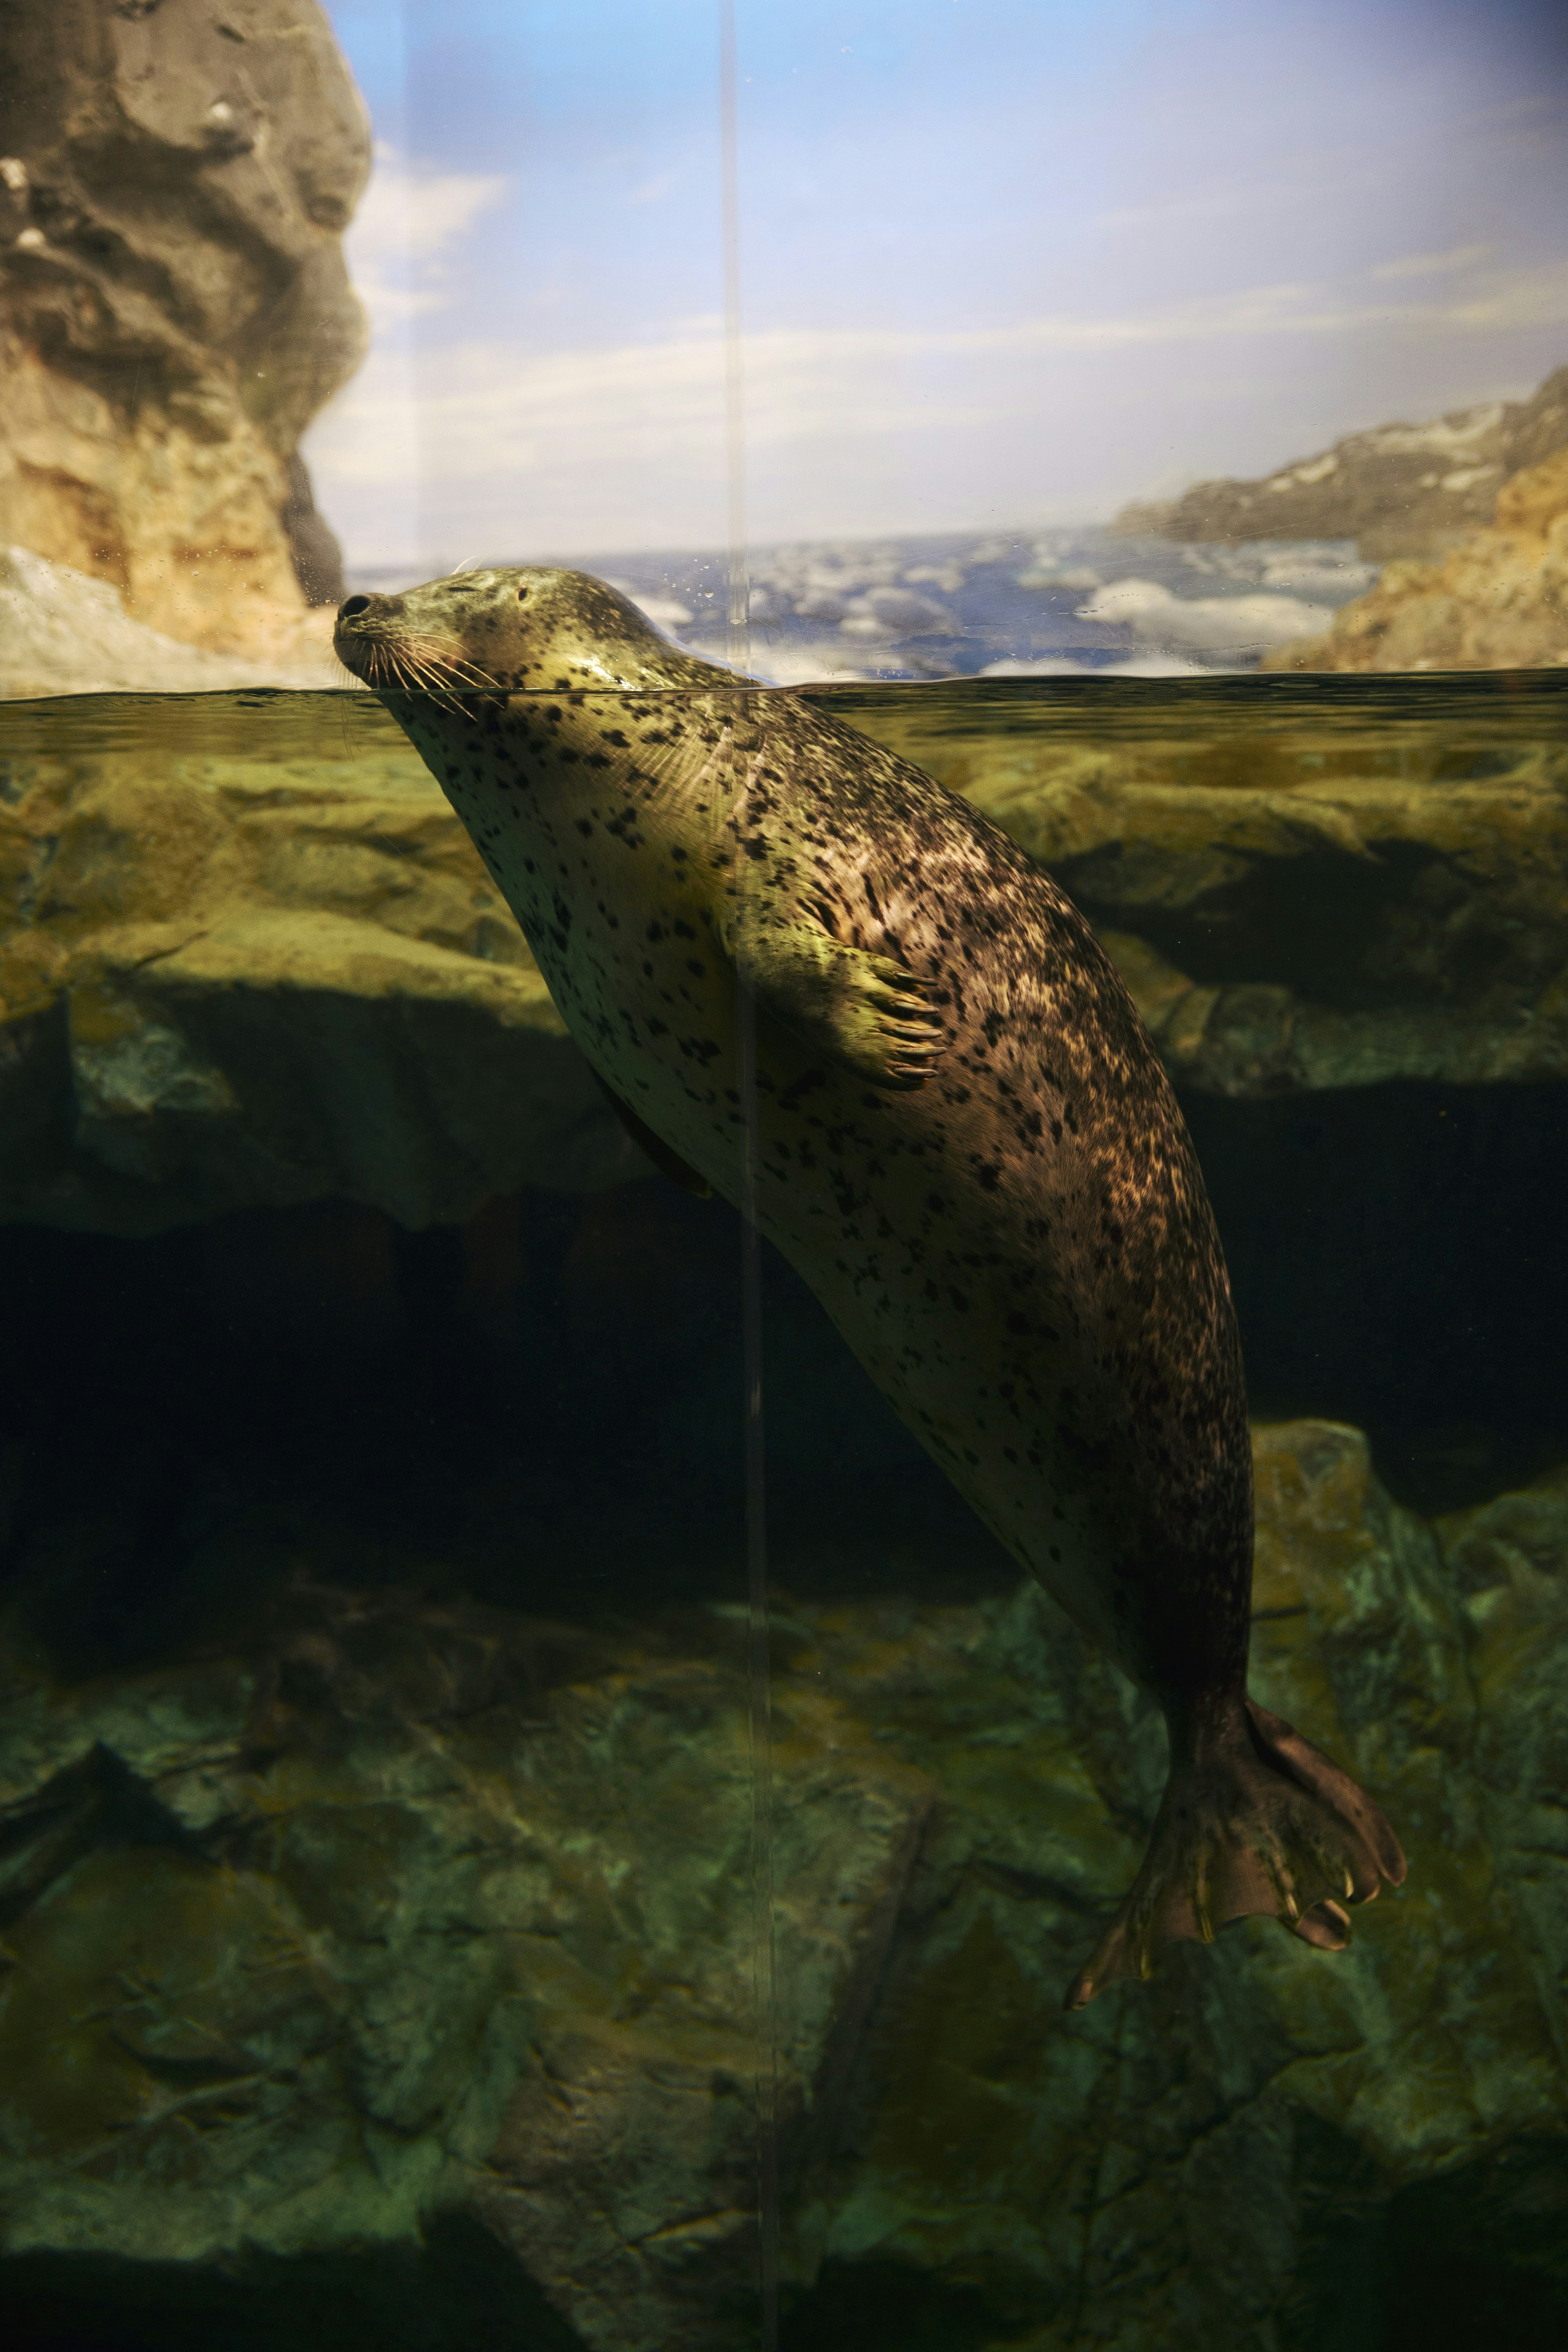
{"points": [[1299, 896], [251, 958], [389, 1915]]}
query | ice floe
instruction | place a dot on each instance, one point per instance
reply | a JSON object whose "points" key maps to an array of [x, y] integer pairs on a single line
{"points": [[889, 613], [1205, 623], [1140, 666], [664, 612]]}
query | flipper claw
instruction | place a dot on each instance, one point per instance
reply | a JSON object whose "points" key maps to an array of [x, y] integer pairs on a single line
{"points": [[1260, 1822]]}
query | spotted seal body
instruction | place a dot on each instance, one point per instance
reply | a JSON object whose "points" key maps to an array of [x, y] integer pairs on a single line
{"points": [[964, 1142]]}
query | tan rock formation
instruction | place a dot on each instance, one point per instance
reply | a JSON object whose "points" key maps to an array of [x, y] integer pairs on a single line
{"points": [[174, 180], [1498, 602], [1397, 490], [384, 1910], [62, 632]]}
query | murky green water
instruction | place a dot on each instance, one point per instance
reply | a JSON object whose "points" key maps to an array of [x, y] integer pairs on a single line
{"points": [[1341, 902], [1384, 724], [375, 1765]]}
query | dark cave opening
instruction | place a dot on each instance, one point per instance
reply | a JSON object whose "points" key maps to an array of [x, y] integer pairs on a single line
{"points": [[457, 2287], [1399, 1261], [552, 1392]]}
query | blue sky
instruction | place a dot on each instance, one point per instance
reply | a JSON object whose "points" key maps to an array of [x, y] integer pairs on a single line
{"points": [[1003, 264]]}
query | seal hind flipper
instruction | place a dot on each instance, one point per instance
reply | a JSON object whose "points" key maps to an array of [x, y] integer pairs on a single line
{"points": [[1260, 1822]]}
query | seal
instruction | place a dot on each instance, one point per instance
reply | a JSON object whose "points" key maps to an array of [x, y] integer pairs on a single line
{"points": [[821, 984]]}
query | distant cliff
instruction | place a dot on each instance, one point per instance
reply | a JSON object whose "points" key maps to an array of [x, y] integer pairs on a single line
{"points": [[1396, 490], [1499, 601], [175, 179]]}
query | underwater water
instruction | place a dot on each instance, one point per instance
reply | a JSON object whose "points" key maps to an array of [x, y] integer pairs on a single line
{"points": [[385, 1883]]}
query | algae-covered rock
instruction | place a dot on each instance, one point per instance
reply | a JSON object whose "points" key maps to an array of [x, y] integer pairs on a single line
{"points": [[249, 957], [1299, 893], [415, 1910], [1163, 2173], [394, 1913]]}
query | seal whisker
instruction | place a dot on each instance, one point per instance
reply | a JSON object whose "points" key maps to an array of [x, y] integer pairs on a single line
{"points": [[437, 667], [425, 678]]}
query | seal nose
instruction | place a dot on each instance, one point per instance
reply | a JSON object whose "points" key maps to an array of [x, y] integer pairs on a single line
{"points": [[352, 607]]}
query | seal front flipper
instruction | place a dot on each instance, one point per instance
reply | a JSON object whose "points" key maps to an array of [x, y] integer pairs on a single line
{"points": [[654, 1146], [1254, 1820], [865, 1011]]}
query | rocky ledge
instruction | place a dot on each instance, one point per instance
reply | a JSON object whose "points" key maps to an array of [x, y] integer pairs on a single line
{"points": [[1297, 898], [1397, 490], [392, 1947], [63, 632], [248, 956]]}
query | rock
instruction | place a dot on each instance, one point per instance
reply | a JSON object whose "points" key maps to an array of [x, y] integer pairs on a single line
{"points": [[1295, 903], [173, 305], [1205, 2166], [63, 632], [1499, 601], [417, 1910], [1397, 490], [259, 961], [386, 1918], [248, 956]]}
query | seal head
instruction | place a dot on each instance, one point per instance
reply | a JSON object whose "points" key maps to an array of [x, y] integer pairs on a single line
{"points": [[517, 631], [826, 987]]}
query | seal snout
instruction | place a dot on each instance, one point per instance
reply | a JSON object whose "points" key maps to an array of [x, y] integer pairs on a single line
{"points": [[386, 644], [364, 637]]}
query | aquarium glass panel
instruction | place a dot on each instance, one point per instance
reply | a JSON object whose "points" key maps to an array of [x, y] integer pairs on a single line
{"points": [[784, 1006]]}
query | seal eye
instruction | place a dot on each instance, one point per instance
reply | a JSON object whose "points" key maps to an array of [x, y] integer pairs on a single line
{"points": [[522, 595]]}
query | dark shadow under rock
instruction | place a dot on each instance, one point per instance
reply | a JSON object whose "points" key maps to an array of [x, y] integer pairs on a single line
{"points": [[1400, 1261], [1477, 2256], [458, 2288]]}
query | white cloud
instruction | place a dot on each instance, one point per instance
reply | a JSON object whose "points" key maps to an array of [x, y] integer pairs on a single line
{"points": [[407, 221], [490, 405], [652, 191], [1433, 265], [622, 445]]}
